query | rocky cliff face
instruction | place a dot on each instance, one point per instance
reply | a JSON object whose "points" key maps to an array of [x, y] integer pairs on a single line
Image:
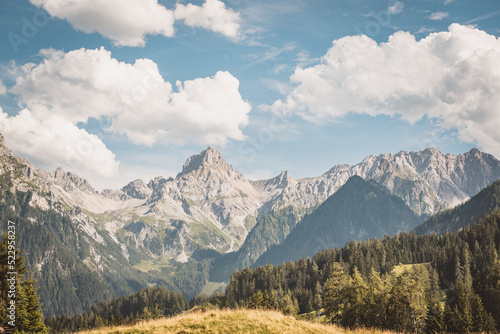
{"points": [[428, 181], [209, 195]]}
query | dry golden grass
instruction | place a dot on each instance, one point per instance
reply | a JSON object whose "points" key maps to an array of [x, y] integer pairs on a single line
{"points": [[228, 321]]}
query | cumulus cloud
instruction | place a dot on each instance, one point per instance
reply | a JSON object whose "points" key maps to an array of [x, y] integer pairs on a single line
{"points": [[54, 141], [127, 22], [68, 88], [437, 16], [83, 84], [452, 76], [212, 15], [3, 89], [396, 8]]}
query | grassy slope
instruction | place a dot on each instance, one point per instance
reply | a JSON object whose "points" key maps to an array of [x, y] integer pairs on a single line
{"points": [[229, 321]]}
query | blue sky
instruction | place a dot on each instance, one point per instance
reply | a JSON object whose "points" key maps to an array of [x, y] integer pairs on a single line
{"points": [[259, 80]]}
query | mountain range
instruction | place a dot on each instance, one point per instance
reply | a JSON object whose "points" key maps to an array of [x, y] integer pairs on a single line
{"points": [[160, 232], [466, 214], [358, 210]]}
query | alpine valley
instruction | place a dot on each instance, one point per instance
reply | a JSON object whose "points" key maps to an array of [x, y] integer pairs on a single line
{"points": [[189, 233]]}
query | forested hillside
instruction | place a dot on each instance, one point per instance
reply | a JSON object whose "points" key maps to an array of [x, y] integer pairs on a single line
{"points": [[486, 201], [50, 239], [270, 230], [149, 303], [357, 211], [455, 287]]}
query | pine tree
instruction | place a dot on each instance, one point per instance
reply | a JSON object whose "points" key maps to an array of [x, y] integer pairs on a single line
{"points": [[354, 297], [34, 317], [434, 321], [375, 301], [256, 301], [482, 321], [487, 286], [28, 313], [287, 306], [333, 293], [317, 302], [119, 319], [157, 313], [268, 301], [406, 308], [145, 314], [458, 316]]}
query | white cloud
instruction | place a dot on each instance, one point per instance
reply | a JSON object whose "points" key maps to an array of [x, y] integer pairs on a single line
{"points": [[396, 8], [127, 22], [84, 83], [424, 30], [304, 58], [272, 54], [447, 2], [452, 76], [212, 15], [56, 142], [68, 88], [3, 89], [438, 16], [483, 17]]}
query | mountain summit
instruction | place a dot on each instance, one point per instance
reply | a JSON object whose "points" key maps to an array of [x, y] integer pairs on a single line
{"points": [[211, 157]]}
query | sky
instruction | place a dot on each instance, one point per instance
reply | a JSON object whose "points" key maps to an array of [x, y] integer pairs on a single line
{"points": [[115, 90]]}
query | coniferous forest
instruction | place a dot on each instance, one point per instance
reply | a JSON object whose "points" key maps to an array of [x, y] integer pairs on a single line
{"points": [[149, 303], [407, 283]]}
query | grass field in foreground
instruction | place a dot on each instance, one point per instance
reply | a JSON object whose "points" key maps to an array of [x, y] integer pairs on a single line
{"points": [[228, 321]]}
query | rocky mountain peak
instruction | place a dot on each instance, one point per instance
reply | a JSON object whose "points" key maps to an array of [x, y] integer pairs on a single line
{"points": [[283, 179], [3, 147], [432, 150], [209, 157], [157, 182], [137, 189], [70, 182], [474, 153]]}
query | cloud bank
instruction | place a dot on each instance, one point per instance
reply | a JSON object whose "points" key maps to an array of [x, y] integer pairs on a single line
{"points": [[452, 76], [127, 22], [56, 142], [66, 89]]}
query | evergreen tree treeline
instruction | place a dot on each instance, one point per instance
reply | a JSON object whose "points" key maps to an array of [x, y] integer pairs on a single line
{"points": [[455, 286], [146, 304], [28, 312]]}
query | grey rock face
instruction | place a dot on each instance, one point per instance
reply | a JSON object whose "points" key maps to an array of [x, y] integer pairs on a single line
{"points": [[137, 189]]}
